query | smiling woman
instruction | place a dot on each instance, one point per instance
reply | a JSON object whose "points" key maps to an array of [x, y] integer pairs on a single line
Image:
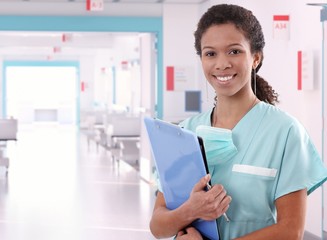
{"points": [[263, 182]]}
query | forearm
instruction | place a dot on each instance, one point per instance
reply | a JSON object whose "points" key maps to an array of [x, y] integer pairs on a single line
{"points": [[291, 210], [166, 223], [280, 231]]}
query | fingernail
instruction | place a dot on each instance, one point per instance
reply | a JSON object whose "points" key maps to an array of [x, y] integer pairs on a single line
{"points": [[208, 176]]}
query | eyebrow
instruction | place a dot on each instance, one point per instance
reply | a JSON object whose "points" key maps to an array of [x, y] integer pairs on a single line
{"points": [[228, 46]]}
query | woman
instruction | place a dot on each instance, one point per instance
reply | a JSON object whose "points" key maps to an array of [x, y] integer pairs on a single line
{"points": [[261, 156]]}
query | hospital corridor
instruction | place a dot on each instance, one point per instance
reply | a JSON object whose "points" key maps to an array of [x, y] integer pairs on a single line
{"points": [[57, 187], [78, 78]]}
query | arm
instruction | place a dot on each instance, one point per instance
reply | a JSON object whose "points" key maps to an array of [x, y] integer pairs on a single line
{"points": [[291, 210], [201, 204]]}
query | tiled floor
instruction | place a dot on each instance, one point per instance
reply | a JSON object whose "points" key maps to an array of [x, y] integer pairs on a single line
{"points": [[58, 189]]}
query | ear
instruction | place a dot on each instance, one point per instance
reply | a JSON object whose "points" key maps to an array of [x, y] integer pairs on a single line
{"points": [[257, 58]]}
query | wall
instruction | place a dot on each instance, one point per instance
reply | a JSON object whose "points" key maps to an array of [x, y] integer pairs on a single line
{"points": [[324, 139], [179, 25]]}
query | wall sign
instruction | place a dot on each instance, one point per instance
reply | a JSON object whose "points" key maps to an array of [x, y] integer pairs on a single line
{"points": [[281, 27], [66, 37], [94, 5], [170, 79], [179, 78], [305, 76]]}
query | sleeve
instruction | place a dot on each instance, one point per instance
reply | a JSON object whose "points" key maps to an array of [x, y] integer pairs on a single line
{"points": [[301, 165], [200, 119]]}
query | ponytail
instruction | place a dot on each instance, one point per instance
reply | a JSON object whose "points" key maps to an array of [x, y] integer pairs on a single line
{"points": [[263, 90]]}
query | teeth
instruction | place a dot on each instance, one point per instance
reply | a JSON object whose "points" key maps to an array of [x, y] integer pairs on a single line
{"points": [[224, 79]]}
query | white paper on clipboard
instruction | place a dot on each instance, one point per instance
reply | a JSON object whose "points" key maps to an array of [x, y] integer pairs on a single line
{"points": [[180, 165]]}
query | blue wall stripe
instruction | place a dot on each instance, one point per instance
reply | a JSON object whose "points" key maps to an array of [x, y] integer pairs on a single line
{"points": [[80, 23], [95, 24]]}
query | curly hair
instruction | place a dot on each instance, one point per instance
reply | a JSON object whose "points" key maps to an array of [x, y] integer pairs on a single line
{"points": [[249, 25]]}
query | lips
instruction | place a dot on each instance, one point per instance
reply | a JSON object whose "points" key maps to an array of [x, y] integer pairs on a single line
{"points": [[224, 78]]}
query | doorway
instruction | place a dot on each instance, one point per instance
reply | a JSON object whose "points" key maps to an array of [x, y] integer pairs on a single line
{"points": [[41, 92], [151, 25]]}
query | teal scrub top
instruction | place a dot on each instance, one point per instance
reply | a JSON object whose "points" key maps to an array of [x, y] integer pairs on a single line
{"points": [[275, 157]]}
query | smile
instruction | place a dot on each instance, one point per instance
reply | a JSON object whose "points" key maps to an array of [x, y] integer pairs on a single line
{"points": [[224, 78]]}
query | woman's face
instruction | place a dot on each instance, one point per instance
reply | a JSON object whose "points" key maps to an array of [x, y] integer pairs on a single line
{"points": [[227, 61]]}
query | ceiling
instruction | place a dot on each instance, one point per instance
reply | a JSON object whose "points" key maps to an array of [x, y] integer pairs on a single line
{"points": [[19, 43], [120, 1]]}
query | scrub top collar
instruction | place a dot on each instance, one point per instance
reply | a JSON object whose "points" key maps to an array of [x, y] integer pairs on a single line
{"points": [[244, 131], [241, 124]]}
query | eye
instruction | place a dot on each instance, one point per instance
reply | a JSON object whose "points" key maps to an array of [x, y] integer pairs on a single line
{"points": [[234, 52], [209, 54]]}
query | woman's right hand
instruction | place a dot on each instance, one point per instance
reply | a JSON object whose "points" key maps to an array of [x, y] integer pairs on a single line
{"points": [[190, 233], [208, 205]]}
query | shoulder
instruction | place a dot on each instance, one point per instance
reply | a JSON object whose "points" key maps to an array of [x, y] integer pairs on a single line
{"points": [[277, 115], [200, 119], [279, 120]]}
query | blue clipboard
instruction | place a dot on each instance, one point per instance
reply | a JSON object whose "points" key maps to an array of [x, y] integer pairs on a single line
{"points": [[180, 161]]}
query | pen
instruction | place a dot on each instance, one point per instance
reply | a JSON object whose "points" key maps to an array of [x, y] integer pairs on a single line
{"points": [[225, 215]]}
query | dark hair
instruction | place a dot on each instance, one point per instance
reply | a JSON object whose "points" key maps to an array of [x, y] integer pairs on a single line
{"points": [[249, 25]]}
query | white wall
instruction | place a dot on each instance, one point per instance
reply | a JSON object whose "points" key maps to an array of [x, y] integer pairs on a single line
{"points": [[325, 125], [148, 95], [179, 24]]}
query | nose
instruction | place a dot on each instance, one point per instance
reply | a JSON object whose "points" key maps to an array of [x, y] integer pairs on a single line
{"points": [[222, 62]]}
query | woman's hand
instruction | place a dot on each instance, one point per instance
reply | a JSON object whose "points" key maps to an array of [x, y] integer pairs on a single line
{"points": [[190, 233], [202, 204], [208, 205]]}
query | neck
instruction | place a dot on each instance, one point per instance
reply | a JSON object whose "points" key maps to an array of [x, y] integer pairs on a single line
{"points": [[228, 112]]}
